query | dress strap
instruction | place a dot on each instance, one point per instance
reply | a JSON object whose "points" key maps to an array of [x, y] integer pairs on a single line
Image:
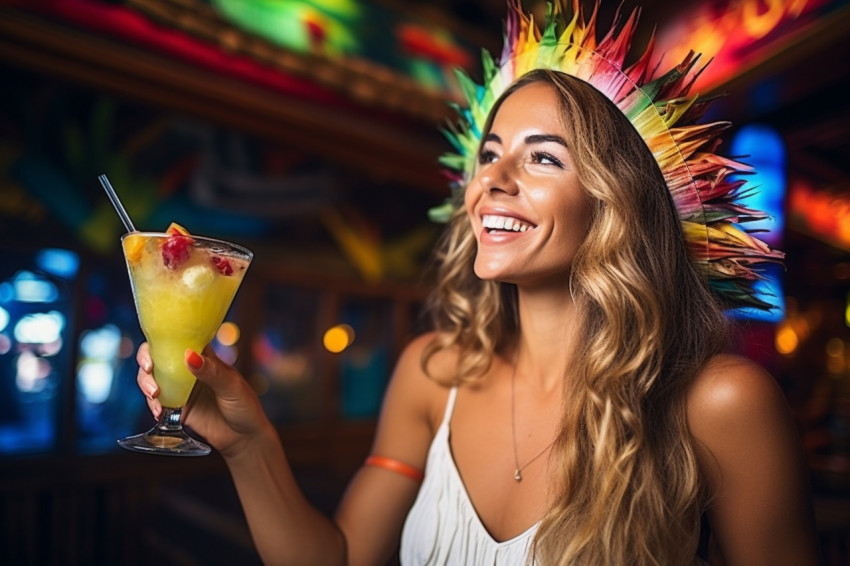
{"points": [[450, 405]]}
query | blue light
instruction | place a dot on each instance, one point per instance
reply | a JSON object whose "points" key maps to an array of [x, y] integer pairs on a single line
{"points": [[40, 328], [763, 148], [62, 263], [7, 292], [102, 343], [4, 318], [28, 287]]}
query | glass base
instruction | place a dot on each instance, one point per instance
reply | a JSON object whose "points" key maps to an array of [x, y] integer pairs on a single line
{"points": [[167, 437]]}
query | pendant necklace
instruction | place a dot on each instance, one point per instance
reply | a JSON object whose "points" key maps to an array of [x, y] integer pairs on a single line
{"points": [[518, 469]]}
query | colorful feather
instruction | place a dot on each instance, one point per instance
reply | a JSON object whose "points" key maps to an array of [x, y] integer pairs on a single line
{"points": [[662, 111]]}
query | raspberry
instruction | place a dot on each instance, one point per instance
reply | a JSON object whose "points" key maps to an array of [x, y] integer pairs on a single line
{"points": [[175, 251], [222, 264]]}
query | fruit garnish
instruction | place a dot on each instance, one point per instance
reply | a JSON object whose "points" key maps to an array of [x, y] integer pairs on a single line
{"points": [[175, 228], [197, 277], [175, 250], [133, 246], [222, 264]]}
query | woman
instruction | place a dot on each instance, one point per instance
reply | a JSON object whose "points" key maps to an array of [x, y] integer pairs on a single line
{"points": [[571, 406]]}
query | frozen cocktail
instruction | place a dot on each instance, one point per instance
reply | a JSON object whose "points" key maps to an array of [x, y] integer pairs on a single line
{"points": [[183, 286]]}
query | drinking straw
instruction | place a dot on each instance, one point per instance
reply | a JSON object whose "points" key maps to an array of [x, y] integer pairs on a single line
{"points": [[119, 208]]}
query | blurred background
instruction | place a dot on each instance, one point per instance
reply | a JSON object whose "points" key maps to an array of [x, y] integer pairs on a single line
{"points": [[308, 131]]}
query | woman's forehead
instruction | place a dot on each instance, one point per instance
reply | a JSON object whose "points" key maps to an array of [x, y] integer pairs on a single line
{"points": [[536, 104]]}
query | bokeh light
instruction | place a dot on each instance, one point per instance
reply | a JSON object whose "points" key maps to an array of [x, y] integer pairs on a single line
{"points": [[228, 334], [338, 338], [786, 339]]}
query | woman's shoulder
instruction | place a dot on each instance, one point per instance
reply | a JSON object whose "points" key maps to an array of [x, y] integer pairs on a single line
{"points": [[439, 367], [748, 447], [421, 390], [729, 385], [734, 406]]}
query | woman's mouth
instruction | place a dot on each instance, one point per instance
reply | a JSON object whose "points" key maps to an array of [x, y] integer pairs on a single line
{"points": [[494, 222]]}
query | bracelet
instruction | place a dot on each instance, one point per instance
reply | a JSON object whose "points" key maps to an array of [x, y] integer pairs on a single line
{"points": [[395, 466]]}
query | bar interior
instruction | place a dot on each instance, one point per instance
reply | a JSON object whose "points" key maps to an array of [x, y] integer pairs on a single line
{"points": [[310, 133]]}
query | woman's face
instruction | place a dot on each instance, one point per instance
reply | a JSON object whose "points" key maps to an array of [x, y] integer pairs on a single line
{"points": [[527, 208]]}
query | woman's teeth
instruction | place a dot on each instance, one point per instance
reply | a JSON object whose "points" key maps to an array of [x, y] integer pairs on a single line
{"points": [[493, 222]]}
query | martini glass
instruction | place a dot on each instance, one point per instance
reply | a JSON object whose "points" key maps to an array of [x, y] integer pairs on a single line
{"points": [[183, 286]]}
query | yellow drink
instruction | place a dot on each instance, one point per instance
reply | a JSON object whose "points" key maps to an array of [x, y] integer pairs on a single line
{"points": [[183, 287]]}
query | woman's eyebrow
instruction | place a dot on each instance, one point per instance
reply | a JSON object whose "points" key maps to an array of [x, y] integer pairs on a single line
{"points": [[543, 138], [532, 139]]}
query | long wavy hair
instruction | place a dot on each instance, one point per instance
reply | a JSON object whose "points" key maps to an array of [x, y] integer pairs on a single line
{"points": [[627, 487]]}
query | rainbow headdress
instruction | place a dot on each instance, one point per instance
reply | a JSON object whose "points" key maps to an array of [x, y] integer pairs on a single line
{"points": [[663, 112]]}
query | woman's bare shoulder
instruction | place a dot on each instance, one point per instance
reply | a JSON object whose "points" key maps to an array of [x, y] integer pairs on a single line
{"points": [[424, 391], [441, 366], [730, 388], [736, 409], [748, 447]]}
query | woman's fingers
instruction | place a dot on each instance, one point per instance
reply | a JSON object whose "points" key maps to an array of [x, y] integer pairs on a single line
{"points": [[143, 357], [146, 381], [155, 407], [211, 371]]}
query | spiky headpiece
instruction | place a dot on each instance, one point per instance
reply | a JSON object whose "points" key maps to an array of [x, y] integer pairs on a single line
{"points": [[662, 111]]}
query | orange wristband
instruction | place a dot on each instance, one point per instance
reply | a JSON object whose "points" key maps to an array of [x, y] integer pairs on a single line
{"points": [[395, 466]]}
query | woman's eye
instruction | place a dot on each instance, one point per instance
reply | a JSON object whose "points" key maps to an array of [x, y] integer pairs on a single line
{"points": [[486, 156], [544, 158]]}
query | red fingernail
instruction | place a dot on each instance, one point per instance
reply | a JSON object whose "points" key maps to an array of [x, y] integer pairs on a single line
{"points": [[194, 360]]}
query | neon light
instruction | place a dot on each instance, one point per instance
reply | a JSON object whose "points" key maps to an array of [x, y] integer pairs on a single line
{"points": [[763, 148], [736, 35], [821, 214]]}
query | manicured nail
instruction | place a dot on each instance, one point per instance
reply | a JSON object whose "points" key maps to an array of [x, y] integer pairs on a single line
{"points": [[151, 391], [194, 360]]}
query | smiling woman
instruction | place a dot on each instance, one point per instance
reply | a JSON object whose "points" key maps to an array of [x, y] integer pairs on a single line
{"points": [[528, 190], [596, 305], [572, 403]]}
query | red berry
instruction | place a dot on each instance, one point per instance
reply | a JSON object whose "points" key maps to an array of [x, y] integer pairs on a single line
{"points": [[175, 250], [222, 264]]}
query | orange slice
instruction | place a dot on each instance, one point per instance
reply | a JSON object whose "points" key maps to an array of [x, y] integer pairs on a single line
{"points": [[133, 246], [175, 228]]}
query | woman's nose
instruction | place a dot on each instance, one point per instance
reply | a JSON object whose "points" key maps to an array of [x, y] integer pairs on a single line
{"points": [[498, 176]]}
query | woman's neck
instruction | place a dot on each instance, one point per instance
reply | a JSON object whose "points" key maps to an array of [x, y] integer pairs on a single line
{"points": [[548, 329]]}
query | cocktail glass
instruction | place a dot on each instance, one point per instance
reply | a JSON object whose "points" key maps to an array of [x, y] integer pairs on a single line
{"points": [[183, 286]]}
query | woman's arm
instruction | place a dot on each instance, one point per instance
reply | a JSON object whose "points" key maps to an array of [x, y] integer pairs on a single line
{"points": [[285, 527], [749, 449], [374, 507]]}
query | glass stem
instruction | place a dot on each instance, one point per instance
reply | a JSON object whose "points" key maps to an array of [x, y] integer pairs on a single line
{"points": [[169, 420]]}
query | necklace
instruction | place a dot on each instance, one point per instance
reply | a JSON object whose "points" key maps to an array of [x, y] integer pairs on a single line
{"points": [[518, 469]]}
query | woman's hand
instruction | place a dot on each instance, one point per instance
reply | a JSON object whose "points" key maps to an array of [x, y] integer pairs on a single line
{"points": [[223, 408]]}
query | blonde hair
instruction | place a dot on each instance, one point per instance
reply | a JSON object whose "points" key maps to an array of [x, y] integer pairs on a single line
{"points": [[627, 487]]}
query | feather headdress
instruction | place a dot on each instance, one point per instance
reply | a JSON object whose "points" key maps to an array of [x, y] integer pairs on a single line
{"points": [[661, 109]]}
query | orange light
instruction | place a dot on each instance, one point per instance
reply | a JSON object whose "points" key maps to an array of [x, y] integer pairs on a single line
{"points": [[338, 338], [786, 340], [228, 334], [847, 311]]}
